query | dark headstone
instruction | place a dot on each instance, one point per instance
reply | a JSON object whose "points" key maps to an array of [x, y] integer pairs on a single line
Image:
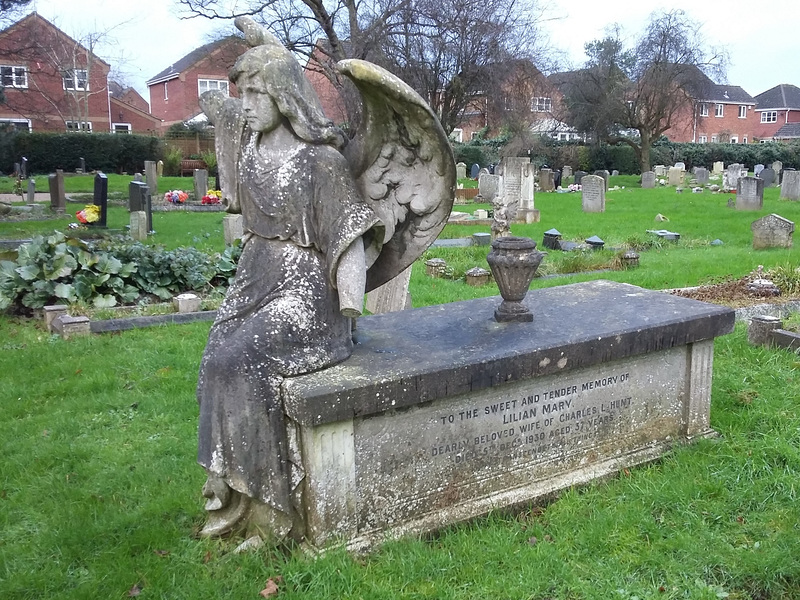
{"points": [[23, 168], [474, 171], [768, 175], [83, 165], [551, 239], [556, 179], [595, 242], [58, 198], [604, 175], [139, 199], [578, 176], [100, 198]]}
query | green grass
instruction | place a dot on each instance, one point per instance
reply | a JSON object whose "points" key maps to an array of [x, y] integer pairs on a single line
{"points": [[84, 184], [99, 492]]}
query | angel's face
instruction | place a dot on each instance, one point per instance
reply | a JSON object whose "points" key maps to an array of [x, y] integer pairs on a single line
{"points": [[260, 110]]}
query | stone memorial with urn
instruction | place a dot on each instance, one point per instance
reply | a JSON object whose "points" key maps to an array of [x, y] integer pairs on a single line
{"points": [[314, 430]]}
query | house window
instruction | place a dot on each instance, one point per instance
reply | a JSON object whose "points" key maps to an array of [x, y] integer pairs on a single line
{"points": [[79, 126], [540, 104], [15, 124], [704, 110], [714, 139], [718, 110], [734, 139], [703, 139], [121, 127], [744, 140], [206, 85], [166, 95], [14, 77], [769, 116], [742, 111], [457, 135], [76, 79]]}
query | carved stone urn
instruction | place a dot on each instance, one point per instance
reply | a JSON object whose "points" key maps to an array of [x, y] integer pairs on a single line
{"points": [[513, 261]]}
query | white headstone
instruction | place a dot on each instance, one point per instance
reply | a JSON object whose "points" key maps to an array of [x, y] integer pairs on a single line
{"points": [[593, 193]]}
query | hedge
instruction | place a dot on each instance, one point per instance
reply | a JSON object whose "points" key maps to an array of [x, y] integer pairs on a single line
{"points": [[107, 152]]}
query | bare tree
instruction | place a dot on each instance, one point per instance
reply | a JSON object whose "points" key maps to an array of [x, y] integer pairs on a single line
{"points": [[447, 50], [634, 95]]}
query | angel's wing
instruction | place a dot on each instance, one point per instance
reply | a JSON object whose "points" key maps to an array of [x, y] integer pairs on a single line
{"points": [[404, 166]]}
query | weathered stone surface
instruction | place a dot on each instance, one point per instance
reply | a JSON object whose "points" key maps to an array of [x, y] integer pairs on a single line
{"points": [[232, 228], [497, 414], [391, 296], [749, 193], [772, 231], [68, 327], [648, 180], [593, 193], [790, 185], [187, 303]]}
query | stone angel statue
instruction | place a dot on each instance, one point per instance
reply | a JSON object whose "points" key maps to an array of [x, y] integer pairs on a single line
{"points": [[325, 219]]}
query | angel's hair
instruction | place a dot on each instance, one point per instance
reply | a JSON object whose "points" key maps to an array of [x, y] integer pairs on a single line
{"points": [[281, 76]]}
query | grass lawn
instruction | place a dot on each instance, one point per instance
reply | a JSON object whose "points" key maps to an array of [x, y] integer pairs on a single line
{"points": [[100, 493]]}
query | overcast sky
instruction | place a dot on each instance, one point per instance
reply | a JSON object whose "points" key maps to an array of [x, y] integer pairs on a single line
{"points": [[147, 36]]}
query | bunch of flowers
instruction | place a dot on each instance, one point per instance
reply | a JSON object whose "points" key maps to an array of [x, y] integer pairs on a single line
{"points": [[89, 214], [574, 187], [176, 196], [211, 197]]}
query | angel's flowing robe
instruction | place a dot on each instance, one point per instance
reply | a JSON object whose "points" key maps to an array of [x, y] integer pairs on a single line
{"points": [[280, 316]]}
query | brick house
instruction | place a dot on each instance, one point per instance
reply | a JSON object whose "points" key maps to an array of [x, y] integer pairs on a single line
{"points": [[778, 113], [174, 92], [722, 114], [130, 112], [50, 81]]}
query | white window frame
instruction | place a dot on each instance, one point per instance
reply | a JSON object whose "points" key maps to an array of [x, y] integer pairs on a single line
{"points": [[734, 139], [457, 135], [73, 76], [703, 139], [703, 109], [166, 95], [26, 122], [769, 116], [714, 139], [742, 111], [84, 126], [18, 76], [744, 140], [115, 130], [222, 85], [719, 110], [541, 104]]}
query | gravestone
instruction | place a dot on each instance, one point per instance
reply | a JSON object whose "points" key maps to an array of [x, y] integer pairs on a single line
{"points": [[461, 170], [200, 184], [702, 175], [232, 228], [139, 199], [731, 176], [566, 171], [23, 168], [384, 458], [757, 169], [593, 193], [151, 176], [676, 176], [557, 179], [648, 180], [777, 166], [579, 176], [517, 184], [391, 296], [160, 169], [483, 171], [546, 183], [138, 177], [772, 231], [750, 193], [718, 167], [474, 171], [768, 175], [660, 170], [100, 198], [790, 185], [488, 186], [604, 174], [58, 198], [614, 173], [551, 239], [138, 223], [83, 165], [681, 165], [31, 191]]}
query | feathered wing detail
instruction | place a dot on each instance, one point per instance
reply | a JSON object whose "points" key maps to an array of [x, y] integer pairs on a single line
{"points": [[403, 164]]}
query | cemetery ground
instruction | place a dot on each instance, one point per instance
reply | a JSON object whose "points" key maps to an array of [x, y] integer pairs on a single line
{"points": [[100, 494]]}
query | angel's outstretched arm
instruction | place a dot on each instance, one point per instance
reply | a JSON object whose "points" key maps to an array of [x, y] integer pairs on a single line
{"points": [[227, 116]]}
